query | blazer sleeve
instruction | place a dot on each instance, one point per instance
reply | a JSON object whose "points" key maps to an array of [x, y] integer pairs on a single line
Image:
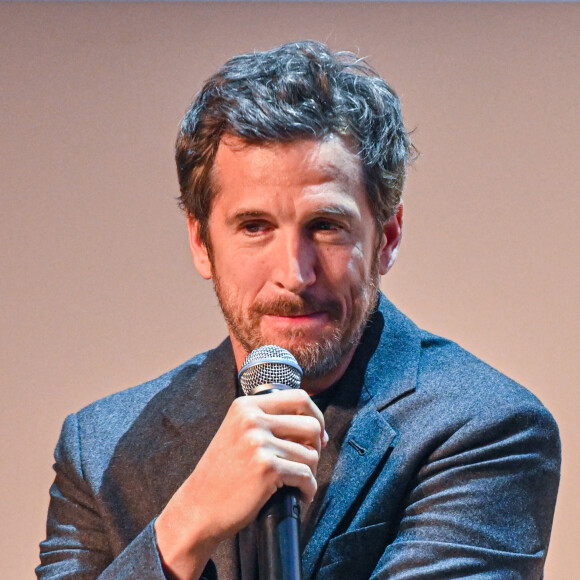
{"points": [[77, 545], [483, 503]]}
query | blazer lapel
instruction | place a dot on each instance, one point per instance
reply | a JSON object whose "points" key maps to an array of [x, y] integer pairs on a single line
{"points": [[192, 416], [192, 411], [390, 372], [163, 445]]}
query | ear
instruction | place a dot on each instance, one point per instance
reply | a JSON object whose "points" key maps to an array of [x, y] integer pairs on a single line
{"points": [[198, 249], [392, 233]]}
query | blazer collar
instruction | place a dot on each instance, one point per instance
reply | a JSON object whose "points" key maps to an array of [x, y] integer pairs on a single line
{"points": [[392, 369], [390, 350]]}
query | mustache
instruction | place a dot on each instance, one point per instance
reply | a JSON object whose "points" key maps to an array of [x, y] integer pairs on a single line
{"points": [[297, 306]]}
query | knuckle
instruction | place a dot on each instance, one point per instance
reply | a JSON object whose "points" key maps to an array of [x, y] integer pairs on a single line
{"points": [[305, 401], [302, 394], [314, 457], [250, 419], [254, 438], [247, 423], [265, 462], [308, 486], [311, 431], [301, 398], [305, 473], [238, 409], [238, 403], [313, 426]]}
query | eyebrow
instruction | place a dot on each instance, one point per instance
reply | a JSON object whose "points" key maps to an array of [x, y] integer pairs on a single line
{"points": [[246, 214], [334, 210], [325, 211]]}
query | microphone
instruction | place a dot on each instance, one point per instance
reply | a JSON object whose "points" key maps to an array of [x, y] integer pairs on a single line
{"points": [[268, 369]]}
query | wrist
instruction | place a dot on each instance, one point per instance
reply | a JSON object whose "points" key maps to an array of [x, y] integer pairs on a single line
{"points": [[184, 549]]}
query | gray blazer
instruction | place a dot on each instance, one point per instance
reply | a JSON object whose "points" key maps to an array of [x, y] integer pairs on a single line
{"points": [[447, 470]]}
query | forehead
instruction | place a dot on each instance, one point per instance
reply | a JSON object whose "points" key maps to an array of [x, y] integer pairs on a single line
{"points": [[317, 165]]}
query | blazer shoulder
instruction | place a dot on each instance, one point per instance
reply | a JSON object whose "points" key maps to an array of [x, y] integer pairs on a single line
{"points": [[95, 430], [450, 373], [131, 401]]}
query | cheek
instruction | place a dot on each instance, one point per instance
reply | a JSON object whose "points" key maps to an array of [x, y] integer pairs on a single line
{"points": [[245, 279], [345, 268]]}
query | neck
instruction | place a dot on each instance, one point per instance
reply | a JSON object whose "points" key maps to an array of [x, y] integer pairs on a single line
{"points": [[312, 385]]}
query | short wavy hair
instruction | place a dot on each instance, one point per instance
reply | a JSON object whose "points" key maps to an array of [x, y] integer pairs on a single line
{"points": [[295, 91]]}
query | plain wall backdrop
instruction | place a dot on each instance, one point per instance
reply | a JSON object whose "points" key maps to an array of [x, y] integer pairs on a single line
{"points": [[98, 289]]}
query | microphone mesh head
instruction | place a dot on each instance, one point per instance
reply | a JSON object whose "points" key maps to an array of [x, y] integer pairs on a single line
{"points": [[269, 364]]}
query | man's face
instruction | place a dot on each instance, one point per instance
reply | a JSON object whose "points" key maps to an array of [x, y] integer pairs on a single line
{"points": [[295, 254]]}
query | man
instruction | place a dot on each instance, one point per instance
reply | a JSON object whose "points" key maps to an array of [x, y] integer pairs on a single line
{"points": [[413, 458]]}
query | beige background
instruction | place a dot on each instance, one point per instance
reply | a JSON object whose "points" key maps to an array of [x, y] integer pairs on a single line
{"points": [[98, 292]]}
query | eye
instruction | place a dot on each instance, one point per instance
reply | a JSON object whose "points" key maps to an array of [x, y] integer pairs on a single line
{"points": [[330, 230], [326, 225], [255, 227]]}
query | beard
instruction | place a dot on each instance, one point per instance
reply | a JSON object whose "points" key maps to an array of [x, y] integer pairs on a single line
{"points": [[317, 356]]}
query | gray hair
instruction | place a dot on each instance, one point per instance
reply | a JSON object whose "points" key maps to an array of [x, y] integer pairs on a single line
{"points": [[295, 91]]}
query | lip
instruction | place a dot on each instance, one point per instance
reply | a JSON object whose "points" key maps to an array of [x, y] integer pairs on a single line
{"points": [[298, 319]]}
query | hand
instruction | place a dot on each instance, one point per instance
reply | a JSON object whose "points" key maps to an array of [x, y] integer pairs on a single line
{"points": [[264, 442]]}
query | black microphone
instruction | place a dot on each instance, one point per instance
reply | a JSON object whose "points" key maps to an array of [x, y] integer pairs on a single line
{"points": [[268, 369]]}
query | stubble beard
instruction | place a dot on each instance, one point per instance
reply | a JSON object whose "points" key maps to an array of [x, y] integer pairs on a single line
{"points": [[316, 357]]}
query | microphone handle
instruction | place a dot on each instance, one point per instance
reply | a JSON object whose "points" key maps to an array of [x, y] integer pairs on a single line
{"points": [[279, 537], [278, 527]]}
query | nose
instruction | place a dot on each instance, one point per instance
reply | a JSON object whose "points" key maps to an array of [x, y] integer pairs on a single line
{"points": [[295, 263]]}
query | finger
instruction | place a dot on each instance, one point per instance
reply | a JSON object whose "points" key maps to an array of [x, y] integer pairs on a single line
{"points": [[290, 402], [295, 399], [299, 428], [299, 475], [292, 451], [251, 411]]}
